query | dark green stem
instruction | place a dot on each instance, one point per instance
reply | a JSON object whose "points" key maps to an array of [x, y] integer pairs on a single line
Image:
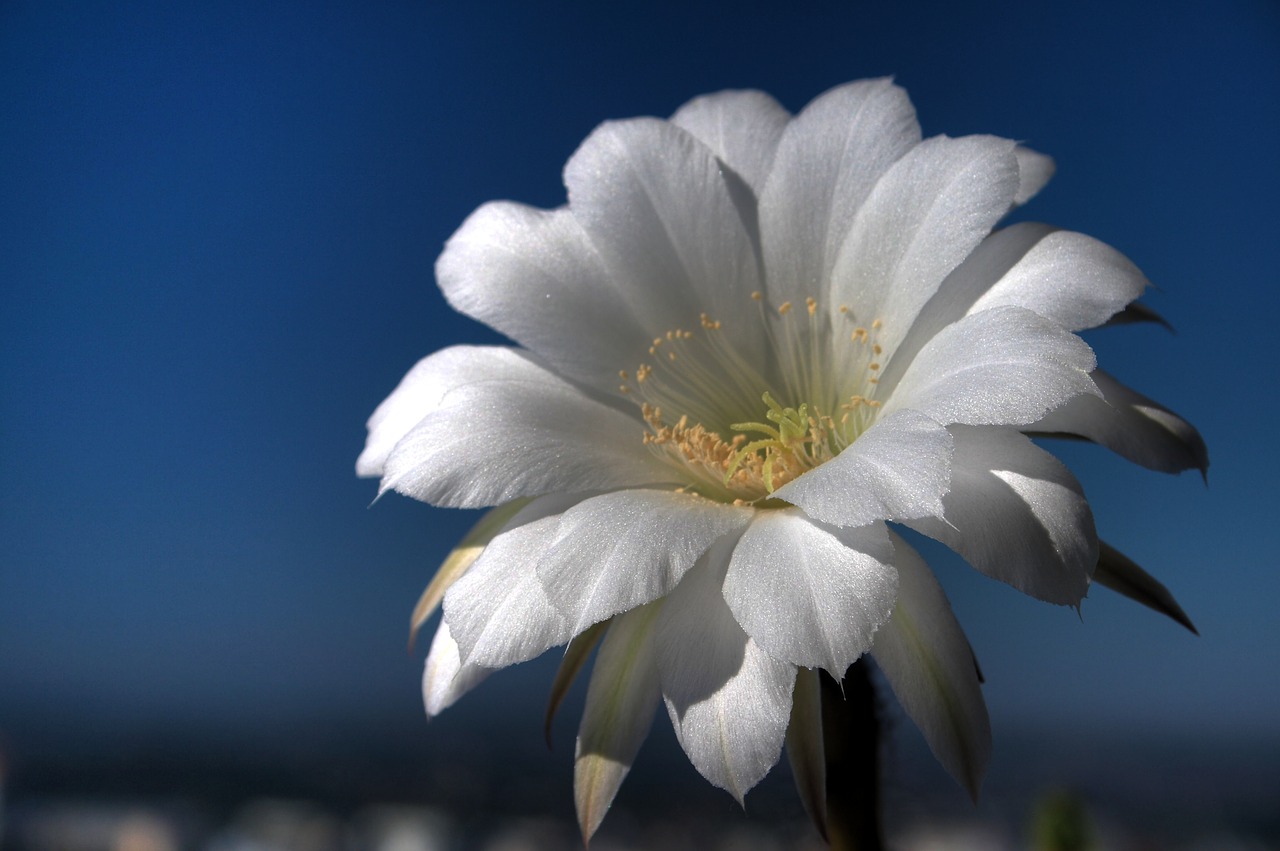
{"points": [[851, 734]]}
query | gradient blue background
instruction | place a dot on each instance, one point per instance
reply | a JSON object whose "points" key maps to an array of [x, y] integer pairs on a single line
{"points": [[217, 230]]}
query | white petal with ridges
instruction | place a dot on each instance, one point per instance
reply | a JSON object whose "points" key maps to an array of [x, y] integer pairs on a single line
{"points": [[811, 596], [729, 701], [621, 700], [418, 394], [620, 550], [1034, 171], [655, 203], [1067, 277], [535, 276], [521, 431], [827, 162], [927, 660], [1073, 279], [497, 612], [742, 128], [1005, 366], [1017, 514], [922, 219], [444, 677], [898, 469]]}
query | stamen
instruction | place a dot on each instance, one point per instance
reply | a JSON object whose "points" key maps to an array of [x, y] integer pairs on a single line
{"points": [[707, 380]]}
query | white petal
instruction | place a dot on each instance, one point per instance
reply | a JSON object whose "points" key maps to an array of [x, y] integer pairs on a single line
{"points": [[1005, 366], [1073, 279], [827, 162], [418, 394], [445, 678], [1131, 425], [620, 550], [729, 701], [1034, 171], [1070, 278], [922, 219], [498, 612], [808, 595], [621, 701], [897, 469], [742, 128], [535, 276], [980, 271], [1017, 514], [928, 663], [522, 431], [656, 205]]}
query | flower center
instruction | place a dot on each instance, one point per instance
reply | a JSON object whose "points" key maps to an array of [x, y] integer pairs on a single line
{"points": [[701, 397]]}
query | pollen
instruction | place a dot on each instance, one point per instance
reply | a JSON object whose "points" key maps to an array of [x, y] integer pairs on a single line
{"points": [[702, 392]]}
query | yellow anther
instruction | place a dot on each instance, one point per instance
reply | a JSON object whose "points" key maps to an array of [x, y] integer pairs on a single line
{"points": [[622, 388], [757, 296], [873, 366], [784, 308], [642, 372], [812, 304], [877, 348], [844, 308], [622, 373], [876, 325]]}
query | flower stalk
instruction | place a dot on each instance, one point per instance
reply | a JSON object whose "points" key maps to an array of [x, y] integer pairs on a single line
{"points": [[851, 735]]}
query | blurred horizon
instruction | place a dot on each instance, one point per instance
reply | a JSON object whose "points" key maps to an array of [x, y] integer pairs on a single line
{"points": [[218, 236]]}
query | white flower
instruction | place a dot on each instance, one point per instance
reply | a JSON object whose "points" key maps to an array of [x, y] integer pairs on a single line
{"points": [[748, 343]]}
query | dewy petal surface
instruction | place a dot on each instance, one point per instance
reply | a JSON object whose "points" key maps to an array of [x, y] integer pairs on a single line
{"points": [[444, 677], [920, 221], [1004, 366], [498, 612], [418, 394], [897, 469], [1029, 265], [1016, 514], [742, 128], [655, 203], [926, 659], [729, 701], [620, 550], [829, 158], [520, 431], [1034, 171], [811, 596], [535, 276]]}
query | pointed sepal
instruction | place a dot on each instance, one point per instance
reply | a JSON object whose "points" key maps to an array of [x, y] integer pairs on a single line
{"points": [[805, 749], [1123, 575], [621, 700], [575, 656]]}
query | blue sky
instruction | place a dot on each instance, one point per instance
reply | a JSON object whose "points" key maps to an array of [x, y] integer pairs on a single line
{"points": [[218, 231]]}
